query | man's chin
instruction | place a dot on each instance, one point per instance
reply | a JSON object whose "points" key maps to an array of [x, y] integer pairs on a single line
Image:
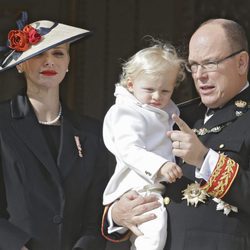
{"points": [[209, 102]]}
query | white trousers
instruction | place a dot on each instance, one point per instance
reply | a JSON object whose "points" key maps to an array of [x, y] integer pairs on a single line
{"points": [[154, 231]]}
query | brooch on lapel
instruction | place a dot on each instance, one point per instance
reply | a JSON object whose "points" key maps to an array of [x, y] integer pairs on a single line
{"points": [[79, 146]]}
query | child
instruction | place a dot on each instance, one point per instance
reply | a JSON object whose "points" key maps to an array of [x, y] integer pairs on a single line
{"points": [[135, 129]]}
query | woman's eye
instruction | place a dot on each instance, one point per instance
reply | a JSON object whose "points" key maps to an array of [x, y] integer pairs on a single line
{"points": [[58, 53]]}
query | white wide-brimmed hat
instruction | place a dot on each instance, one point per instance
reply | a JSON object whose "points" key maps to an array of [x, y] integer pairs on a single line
{"points": [[36, 38]]}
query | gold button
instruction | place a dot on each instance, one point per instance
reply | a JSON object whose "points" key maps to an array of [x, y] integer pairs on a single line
{"points": [[222, 146], [166, 200]]}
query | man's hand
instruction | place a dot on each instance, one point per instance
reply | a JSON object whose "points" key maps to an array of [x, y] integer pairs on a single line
{"points": [[186, 144], [129, 211]]}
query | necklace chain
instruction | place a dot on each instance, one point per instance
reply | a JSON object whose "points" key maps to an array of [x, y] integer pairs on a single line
{"points": [[55, 120]]}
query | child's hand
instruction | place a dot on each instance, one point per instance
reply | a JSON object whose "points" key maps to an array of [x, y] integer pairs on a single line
{"points": [[171, 171]]}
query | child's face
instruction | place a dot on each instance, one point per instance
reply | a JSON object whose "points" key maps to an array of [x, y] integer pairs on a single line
{"points": [[155, 92]]}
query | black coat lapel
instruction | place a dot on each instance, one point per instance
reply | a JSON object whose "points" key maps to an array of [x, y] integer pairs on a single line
{"points": [[26, 126], [221, 116], [199, 124]]}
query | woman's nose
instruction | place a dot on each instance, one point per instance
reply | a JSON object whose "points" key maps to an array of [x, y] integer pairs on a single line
{"points": [[48, 60]]}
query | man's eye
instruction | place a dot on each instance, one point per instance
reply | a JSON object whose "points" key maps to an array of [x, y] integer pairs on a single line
{"points": [[210, 65], [194, 66]]}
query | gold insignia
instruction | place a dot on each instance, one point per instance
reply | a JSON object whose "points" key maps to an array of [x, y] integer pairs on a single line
{"points": [[222, 177], [240, 104], [194, 194], [204, 131]]}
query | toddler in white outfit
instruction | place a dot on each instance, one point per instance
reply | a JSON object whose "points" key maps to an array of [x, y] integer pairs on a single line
{"points": [[135, 129]]}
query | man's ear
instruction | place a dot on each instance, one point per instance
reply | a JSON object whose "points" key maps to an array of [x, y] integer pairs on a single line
{"points": [[243, 62]]}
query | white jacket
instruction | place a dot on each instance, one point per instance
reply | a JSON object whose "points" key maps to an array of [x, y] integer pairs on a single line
{"points": [[136, 134]]}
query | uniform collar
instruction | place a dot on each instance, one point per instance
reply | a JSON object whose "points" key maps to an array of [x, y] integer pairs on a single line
{"points": [[229, 113], [210, 112]]}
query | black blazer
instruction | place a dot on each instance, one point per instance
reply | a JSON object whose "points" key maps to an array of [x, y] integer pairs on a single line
{"points": [[204, 227], [52, 205]]}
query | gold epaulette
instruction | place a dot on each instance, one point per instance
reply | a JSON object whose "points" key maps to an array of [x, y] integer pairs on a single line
{"points": [[222, 177]]}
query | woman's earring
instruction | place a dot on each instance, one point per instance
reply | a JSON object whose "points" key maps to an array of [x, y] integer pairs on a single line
{"points": [[67, 70], [20, 71]]}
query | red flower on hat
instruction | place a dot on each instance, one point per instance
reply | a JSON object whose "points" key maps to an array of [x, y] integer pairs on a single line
{"points": [[21, 40], [34, 36]]}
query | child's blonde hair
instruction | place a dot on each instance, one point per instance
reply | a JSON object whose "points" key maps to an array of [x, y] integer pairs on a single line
{"points": [[153, 61]]}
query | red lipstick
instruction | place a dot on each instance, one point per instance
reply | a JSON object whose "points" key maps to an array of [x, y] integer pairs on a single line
{"points": [[48, 72]]}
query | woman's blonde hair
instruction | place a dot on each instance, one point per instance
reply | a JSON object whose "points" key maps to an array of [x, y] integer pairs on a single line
{"points": [[153, 61]]}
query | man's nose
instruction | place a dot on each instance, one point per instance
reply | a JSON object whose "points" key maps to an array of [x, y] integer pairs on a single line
{"points": [[201, 72]]}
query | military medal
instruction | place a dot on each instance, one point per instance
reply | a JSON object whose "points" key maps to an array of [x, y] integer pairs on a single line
{"points": [[227, 208], [240, 104], [194, 194]]}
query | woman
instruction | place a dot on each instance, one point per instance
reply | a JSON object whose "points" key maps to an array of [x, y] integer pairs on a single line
{"points": [[52, 168]]}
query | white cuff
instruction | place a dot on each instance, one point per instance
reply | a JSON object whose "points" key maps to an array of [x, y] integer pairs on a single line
{"points": [[112, 228], [208, 165]]}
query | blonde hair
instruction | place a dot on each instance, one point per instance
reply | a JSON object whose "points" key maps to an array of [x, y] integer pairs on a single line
{"points": [[153, 61]]}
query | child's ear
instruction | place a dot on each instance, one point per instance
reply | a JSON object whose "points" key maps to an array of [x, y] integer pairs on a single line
{"points": [[130, 85]]}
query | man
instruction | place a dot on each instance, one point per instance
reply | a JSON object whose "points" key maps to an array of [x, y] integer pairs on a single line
{"points": [[209, 207]]}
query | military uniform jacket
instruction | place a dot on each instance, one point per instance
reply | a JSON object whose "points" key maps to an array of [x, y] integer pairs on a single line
{"points": [[204, 227], [53, 205]]}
